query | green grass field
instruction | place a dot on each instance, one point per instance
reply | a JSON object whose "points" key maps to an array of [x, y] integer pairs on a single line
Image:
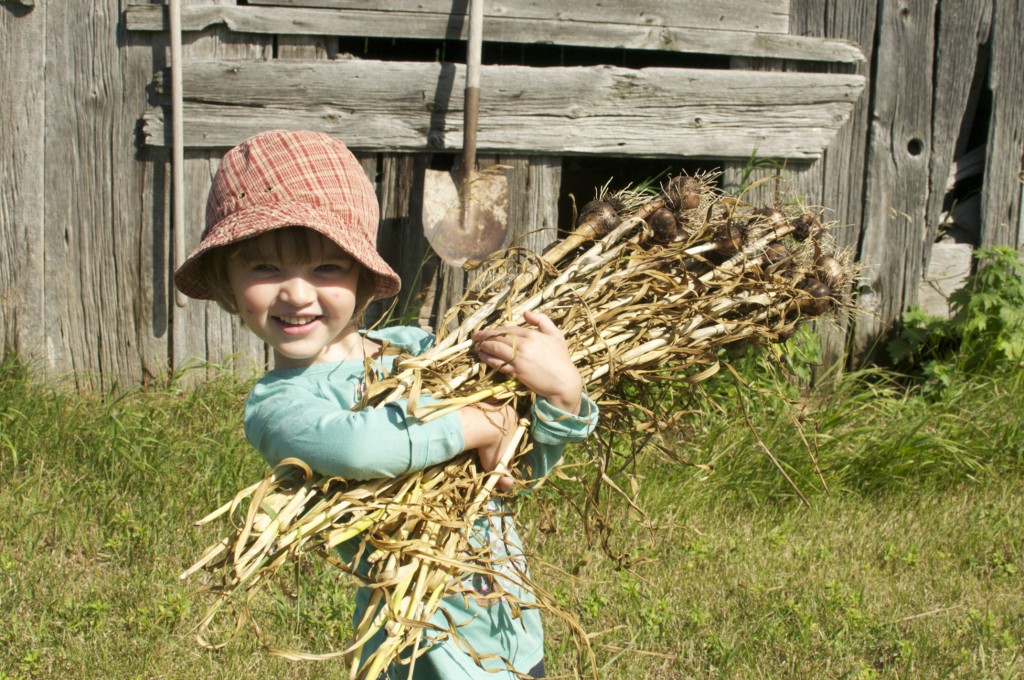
{"points": [[907, 561]]}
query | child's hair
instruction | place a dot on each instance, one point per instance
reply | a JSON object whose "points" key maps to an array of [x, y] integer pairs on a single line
{"points": [[291, 245]]}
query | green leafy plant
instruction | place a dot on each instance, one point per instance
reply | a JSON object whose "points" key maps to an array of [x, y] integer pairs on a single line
{"points": [[985, 331]]}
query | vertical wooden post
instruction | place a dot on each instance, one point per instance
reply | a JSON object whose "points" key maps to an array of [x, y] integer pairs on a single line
{"points": [[22, 126], [838, 178], [897, 174], [963, 28], [1004, 167]]}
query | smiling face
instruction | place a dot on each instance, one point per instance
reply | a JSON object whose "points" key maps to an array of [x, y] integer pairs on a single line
{"points": [[296, 290]]}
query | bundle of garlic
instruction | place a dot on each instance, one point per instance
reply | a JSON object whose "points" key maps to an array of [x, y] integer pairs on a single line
{"points": [[649, 287]]}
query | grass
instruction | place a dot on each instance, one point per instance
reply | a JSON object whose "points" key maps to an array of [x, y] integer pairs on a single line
{"points": [[909, 566], [908, 586]]}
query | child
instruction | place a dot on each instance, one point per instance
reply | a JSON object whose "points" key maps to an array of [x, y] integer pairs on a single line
{"points": [[289, 246]]}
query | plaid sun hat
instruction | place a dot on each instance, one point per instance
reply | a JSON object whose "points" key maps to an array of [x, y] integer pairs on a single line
{"points": [[280, 179]]}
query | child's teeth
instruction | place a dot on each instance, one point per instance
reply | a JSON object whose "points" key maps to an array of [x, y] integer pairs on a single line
{"points": [[296, 320]]}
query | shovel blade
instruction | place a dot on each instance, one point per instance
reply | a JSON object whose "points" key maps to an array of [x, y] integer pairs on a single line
{"points": [[465, 221]]}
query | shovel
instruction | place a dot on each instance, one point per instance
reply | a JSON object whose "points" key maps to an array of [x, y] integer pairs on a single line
{"points": [[465, 212]]}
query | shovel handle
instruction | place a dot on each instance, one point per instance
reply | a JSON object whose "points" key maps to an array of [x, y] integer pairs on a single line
{"points": [[471, 108], [472, 97]]}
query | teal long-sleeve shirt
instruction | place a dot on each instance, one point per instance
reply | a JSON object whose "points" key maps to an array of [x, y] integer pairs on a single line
{"points": [[306, 413]]}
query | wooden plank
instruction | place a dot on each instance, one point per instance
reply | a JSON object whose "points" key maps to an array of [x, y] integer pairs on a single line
{"points": [[766, 16], [805, 181], [603, 110], [534, 185], [62, 222], [203, 334], [22, 108], [963, 29], [948, 268], [844, 163], [640, 32], [1004, 170], [838, 178], [139, 178], [400, 240], [92, 235], [845, 159], [307, 47], [897, 179]]}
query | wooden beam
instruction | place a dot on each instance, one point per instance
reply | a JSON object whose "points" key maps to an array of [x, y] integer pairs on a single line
{"points": [[734, 38], [602, 110], [92, 237], [763, 16]]}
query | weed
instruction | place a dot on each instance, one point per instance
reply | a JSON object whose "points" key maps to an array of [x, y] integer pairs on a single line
{"points": [[985, 331]]}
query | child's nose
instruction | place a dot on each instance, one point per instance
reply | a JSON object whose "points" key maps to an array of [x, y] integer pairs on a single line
{"points": [[298, 291]]}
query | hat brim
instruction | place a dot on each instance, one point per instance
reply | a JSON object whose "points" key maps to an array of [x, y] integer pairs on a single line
{"points": [[263, 218]]}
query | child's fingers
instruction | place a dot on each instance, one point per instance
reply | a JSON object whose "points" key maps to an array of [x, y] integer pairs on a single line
{"points": [[504, 364], [518, 336], [505, 483], [543, 323], [503, 343]]}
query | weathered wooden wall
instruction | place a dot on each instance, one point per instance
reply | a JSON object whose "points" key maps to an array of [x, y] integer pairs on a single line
{"points": [[75, 237], [85, 224], [923, 94]]}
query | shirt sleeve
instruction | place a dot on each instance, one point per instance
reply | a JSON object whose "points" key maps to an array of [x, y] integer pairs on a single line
{"points": [[335, 442], [552, 429]]}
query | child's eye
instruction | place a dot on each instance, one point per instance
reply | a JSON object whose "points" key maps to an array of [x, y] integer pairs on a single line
{"points": [[263, 268], [338, 268]]}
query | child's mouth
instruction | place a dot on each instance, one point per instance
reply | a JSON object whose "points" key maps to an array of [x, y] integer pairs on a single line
{"points": [[296, 323]]}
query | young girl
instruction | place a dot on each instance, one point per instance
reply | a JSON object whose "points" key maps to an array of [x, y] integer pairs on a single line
{"points": [[289, 246]]}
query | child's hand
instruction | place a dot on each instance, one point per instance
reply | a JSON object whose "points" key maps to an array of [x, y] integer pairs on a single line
{"points": [[538, 358], [488, 428]]}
